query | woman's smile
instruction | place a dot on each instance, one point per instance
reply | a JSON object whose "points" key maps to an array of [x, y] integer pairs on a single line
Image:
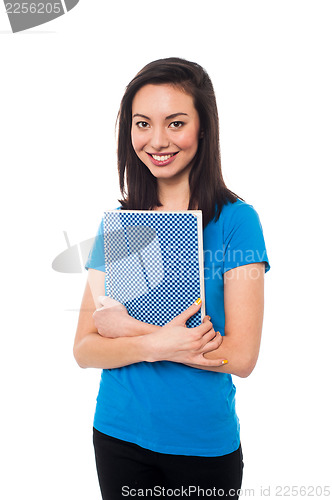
{"points": [[164, 159]]}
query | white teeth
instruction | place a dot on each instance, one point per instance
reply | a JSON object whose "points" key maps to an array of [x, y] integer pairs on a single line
{"points": [[162, 158]]}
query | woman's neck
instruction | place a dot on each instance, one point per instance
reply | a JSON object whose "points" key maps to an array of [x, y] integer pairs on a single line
{"points": [[173, 196]]}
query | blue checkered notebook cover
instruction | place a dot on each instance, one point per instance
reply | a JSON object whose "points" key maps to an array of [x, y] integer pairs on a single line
{"points": [[154, 263]]}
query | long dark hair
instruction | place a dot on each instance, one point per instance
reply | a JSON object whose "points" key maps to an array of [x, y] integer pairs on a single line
{"points": [[208, 191]]}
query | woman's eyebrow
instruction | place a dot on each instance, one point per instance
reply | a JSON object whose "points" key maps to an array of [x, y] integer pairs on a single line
{"points": [[142, 116], [170, 117], [175, 115]]}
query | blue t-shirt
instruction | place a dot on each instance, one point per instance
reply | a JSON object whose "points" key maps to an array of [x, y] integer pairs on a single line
{"points": [[170, 407]]}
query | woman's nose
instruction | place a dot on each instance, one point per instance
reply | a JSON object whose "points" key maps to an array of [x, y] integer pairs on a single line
{"points": [[159, 139]]}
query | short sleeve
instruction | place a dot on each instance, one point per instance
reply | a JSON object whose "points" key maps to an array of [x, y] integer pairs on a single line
{"points": [[243, 238], [96, 257]]}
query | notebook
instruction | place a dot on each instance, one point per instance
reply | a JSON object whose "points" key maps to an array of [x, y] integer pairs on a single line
{"points": [[154, 263]]}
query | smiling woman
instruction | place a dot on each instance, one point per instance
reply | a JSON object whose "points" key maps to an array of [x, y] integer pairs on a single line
{"points": [[165, 413], [179, 105], [160, 141]]}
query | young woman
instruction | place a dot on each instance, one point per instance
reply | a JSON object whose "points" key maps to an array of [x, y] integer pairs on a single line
{"points": [[172, 428]]}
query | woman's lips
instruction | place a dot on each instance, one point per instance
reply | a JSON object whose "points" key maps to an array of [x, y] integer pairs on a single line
{"points": [[164, 159]]}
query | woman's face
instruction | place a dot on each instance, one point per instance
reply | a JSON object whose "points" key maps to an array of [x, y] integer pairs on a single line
{"points": [[165, 130]]}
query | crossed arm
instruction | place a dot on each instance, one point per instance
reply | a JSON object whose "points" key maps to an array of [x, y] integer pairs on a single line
{"points": [[200, 347]]}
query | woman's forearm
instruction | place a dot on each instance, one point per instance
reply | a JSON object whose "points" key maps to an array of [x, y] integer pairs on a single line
{"points": [[114, 321], [241, 361], [95, 351], [136, 327], [173, 342]]}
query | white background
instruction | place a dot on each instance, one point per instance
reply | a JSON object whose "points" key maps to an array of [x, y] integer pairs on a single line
{"points": [[61, 84]]}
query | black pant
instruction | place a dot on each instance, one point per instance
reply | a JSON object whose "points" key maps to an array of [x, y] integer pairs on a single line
{"points": [[127, 470]]}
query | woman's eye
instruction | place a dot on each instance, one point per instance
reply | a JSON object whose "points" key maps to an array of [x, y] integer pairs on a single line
{"points": [[176, 124], [142, 124]]}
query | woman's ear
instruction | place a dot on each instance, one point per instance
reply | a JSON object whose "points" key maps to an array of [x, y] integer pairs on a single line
{"points": [[201, 135]]}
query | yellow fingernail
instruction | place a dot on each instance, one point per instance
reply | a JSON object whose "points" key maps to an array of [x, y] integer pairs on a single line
{"points": [[224, 362], [198, 301]]}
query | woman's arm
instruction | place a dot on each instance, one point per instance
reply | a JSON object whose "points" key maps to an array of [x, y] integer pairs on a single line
{"points": [[112, 319], [244, 306], [90, 348], [173, 342]]}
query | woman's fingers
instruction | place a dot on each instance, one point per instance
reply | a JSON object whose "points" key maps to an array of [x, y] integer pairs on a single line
{"points": [[201, 335], [209, 340], [213, 344], [207, 337], [190, 311], [203, 328], [201, 361]]}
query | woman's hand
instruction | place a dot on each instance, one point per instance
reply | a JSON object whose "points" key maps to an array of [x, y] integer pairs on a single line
{"points": [[175, 342], [112, 319]]}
